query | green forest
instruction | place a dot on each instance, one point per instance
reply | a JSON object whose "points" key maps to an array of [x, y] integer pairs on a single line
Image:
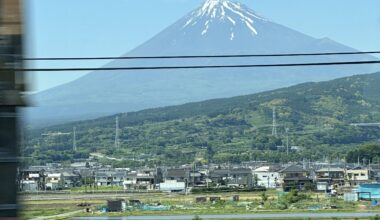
{"points": [[312, 119]]}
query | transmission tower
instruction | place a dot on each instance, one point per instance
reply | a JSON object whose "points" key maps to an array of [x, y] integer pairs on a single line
{"points": [[117, 143], [287, 140], [74, 139], [274, 126]]}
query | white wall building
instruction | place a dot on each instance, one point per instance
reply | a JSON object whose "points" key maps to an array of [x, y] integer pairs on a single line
{"points": [[54, 181], [172, 186], [267, 176]]}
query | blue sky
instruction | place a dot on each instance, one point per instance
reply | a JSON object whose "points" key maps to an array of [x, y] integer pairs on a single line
{"points": [[64, 28]]}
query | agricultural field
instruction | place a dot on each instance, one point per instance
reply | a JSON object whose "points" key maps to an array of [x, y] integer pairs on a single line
{"points": [[158, 204]]}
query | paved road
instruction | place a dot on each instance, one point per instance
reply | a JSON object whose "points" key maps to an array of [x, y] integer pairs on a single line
{"points": [[246, 216], [63, 215], [76, 196]]}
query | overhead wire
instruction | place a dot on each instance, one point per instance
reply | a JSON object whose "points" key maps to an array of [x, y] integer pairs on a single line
{"points": [[198, 56], [193, 67]]}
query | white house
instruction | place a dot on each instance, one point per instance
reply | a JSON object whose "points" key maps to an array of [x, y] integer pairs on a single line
{"points": [[358, 175], [139, 181], [267, 176], [54, 181], [172, 186]]}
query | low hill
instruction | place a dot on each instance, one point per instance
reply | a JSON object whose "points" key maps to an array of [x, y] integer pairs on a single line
{"points": [[317, 115]]}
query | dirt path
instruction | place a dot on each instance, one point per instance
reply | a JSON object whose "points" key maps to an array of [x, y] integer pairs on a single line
{"points": [[63, 215]]}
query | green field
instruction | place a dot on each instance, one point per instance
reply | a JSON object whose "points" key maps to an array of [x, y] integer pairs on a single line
{"points": [[249, 203]]}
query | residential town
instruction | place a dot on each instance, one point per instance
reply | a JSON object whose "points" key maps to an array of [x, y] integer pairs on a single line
{"points": [[333, 178]]}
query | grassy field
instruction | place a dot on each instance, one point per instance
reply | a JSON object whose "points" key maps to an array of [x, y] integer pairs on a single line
{"points": [[39, 208], [185, 204]]}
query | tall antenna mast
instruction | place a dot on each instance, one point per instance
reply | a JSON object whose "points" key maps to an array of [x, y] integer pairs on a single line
{"points": [[274, 126], [74, 139], [117, 143], [287, 140]]}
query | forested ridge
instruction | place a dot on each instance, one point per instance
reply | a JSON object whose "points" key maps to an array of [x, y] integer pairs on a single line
{"points": [[317, 115]]}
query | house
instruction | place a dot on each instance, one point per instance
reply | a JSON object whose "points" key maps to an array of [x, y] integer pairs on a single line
{"points": [[238, 177], [328, 179], [185, 175], [376, 173], [181, 175], [118, 178], [294, 177], [54, 181], [241, 177], [29, 186], [357, 176], [71, 179], [197, 178], [110, 178], [103, 179], [140, 180], [266, 176], [219, 177], [32, 179]]}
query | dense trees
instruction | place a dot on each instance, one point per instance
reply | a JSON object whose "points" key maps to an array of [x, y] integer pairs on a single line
{"points": [[368, 153], [318, 116]]}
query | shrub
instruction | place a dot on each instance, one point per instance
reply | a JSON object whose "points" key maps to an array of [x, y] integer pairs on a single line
{"points": [[264, 197], [197, 218], [293, 196]]}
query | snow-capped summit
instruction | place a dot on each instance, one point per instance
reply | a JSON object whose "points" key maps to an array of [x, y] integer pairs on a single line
{"points": [[210, 7], [213, 11]]}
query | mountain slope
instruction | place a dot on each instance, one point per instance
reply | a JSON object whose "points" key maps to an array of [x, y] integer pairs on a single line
{"points": [[234, 129], [217, 27]]}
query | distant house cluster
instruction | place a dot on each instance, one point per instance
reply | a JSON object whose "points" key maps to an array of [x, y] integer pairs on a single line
{"points": [[313, 176]]}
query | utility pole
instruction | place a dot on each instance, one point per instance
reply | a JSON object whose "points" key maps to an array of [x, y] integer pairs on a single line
{"points": [[274, 125], [369, 164], [12, 85], [358, 161]]}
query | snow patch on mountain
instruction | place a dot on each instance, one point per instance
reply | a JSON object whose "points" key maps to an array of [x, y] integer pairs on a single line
{"points": [[232, 20], [221, 10]]}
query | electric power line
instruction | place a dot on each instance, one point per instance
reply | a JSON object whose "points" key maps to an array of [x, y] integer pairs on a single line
{"points": [[201, 56], [192, 67]]}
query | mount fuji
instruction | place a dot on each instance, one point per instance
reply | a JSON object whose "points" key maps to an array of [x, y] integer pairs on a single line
{"points": [[217, 27]]}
